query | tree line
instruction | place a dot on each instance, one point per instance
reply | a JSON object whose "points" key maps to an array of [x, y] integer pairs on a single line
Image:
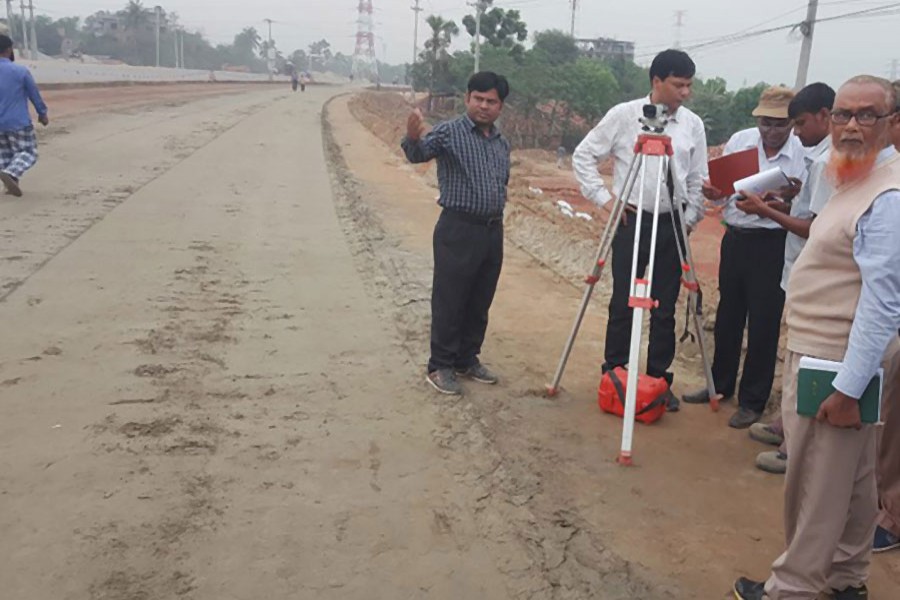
{"points": [[129, 35], [558, 92]]}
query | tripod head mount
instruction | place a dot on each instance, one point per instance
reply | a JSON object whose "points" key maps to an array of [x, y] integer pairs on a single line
{"points": [[655, 119]]}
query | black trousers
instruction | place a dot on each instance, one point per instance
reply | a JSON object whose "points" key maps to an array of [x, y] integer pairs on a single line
{"points": [[750, 267], [666, 286], [468, 256]]}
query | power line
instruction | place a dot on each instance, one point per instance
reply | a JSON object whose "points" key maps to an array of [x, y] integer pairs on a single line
{"points": [[733, 38]]}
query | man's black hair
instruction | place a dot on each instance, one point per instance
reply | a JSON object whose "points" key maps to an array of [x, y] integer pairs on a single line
{"points": [[486, 81], [5, 42], [672, 63], [811, 99]]}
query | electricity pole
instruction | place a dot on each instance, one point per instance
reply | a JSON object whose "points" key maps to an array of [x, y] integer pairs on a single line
{"points": [[10, 14], [158, 10], [480, 7], [34, 46], [269, 49], [679, 25], [416, 10], [25, 45], [175, 37], [181, 46], [806, 28], [895, 69], [574, 12]]}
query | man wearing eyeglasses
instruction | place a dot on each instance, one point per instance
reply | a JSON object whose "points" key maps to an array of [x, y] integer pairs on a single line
{"points": [[750, 267], [843, 306]]}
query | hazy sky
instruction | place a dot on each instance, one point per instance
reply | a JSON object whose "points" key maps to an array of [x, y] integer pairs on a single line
{"points": [[841, 49]]}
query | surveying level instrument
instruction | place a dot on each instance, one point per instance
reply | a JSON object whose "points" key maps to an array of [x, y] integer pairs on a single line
{"points": [[652, 146]]}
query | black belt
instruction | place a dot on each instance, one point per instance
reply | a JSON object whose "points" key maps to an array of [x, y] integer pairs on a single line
{"points": [[755, 231], [648, 214], [488, 221]]}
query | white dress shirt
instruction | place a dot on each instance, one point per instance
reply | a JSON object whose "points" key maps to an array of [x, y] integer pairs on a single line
{"points": [[791, 158], [616, 135]]}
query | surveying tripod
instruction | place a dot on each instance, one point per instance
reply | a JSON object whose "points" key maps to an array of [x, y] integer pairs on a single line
{"points": [[649, 144]]}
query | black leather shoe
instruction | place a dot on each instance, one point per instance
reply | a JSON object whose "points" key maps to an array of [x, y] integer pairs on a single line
{"points": [[852, 593], [672, 402], [747, 589], [744, 418]]}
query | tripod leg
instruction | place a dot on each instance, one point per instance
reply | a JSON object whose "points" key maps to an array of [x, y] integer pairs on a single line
{"points": [[591, 280], [695, 307], [640, 301]]}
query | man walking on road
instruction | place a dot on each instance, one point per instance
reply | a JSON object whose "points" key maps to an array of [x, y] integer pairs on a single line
{"points": [[750, 267], [473, 172], [671, 75], [843, 305], [18, 144]]}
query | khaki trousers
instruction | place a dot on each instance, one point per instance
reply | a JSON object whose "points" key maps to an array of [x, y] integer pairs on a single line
{"points": [[830, 502]]}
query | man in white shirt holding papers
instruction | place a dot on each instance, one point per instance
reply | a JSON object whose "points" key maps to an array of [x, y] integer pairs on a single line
{"points": [[671, 75], [810, 112], [750, 268]]}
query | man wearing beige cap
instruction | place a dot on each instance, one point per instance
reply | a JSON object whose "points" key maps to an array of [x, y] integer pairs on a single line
{"points": [[750, 267]]}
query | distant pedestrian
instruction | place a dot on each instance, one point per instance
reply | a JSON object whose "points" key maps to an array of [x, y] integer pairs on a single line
{"points": [[473, 173], [295, 80], [561, 157], [18, 144]]}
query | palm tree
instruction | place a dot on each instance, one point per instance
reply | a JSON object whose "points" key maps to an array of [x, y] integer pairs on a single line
{"points": [[442, 34], [436, 54], [248, 41]]}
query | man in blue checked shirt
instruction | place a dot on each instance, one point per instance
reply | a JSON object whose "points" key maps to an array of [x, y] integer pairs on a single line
{"points": [[18, 144], [473, 172]]}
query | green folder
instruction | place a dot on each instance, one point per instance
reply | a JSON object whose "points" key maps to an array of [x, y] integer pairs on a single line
{"points": [[814, 385]]}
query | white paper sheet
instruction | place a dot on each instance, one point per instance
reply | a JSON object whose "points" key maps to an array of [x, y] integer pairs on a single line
{"points": [[766, 181]]}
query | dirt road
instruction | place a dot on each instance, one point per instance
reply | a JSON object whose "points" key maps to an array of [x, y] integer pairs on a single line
{"points": [[211, 389]]}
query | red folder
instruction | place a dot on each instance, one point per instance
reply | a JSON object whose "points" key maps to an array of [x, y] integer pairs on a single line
{"points": [[724, 171]]}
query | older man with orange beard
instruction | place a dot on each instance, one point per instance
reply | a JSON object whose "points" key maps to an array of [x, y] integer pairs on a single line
{"points": [[843, 305]]}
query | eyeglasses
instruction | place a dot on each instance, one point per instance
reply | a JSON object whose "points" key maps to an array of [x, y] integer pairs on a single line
{"points": [[865, 118]]}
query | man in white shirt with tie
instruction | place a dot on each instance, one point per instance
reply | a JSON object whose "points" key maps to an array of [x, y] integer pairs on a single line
{"points": [[751, 263], [671, 76]]}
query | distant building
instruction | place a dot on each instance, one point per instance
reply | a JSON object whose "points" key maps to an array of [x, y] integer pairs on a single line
{"points": [[605, 48], [113, 24], [103, 23]]}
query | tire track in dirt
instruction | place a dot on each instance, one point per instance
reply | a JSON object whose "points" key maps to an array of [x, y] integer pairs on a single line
{"points": [[176, 431], [551, 550]]}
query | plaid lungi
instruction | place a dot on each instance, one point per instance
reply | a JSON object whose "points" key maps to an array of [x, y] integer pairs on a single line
{"points": [[18, 151]]}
